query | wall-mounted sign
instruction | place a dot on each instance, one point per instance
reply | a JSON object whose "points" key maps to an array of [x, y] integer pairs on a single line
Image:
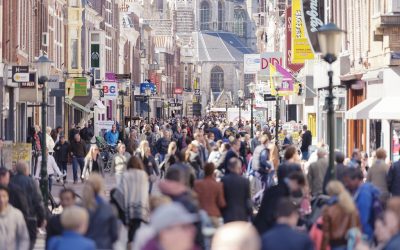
{"points": [[20, 73], [178, 91], [314, 15], [294, 67], [80, 86], [251, 63], [147, 85], [270, 58], [110, 90]]}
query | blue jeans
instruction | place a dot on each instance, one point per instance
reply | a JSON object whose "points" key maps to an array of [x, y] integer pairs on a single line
{"points": [[305, 155], [63, 168], [75, 162]]}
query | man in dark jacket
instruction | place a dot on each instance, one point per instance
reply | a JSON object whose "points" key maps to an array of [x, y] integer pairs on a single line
{"points": [[78, 152], [291, 186], [17, 197], [162, 145], [54, 227], [393, 179], [61, 155], [306, 141], [233, 152], [283, 236], [36, 213], [237, 194]]}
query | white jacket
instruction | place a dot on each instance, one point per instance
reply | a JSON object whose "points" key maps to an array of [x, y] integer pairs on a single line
{"points": [[52, 167], [50, 143]]}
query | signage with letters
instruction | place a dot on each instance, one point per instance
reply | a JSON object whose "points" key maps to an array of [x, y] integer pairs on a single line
{"points": [[110, 90], [294, 67], [314, 15], [301, 48], [20, 73], [270, 58], [197, 92], [147, 85], [178, 91]]}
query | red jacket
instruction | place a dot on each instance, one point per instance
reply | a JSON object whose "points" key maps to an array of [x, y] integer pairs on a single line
{"points": [[211, 196]]}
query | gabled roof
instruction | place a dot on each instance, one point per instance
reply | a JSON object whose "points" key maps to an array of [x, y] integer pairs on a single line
{"points": [[220, 47]]}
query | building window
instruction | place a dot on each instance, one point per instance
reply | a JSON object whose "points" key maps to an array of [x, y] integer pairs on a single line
{"points": [[74, 53], [239, 27], [217, 79], [220, 15], [204, 15]]}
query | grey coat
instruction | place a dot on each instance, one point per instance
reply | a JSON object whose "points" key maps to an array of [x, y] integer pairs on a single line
{"points": [[13, 231]]}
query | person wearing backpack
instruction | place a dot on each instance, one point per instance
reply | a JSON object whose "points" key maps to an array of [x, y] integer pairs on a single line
{"points": [[261, 164], [367, 199]]}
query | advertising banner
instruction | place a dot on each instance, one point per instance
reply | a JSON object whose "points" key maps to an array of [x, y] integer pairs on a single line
{"points": [[301, 48], [270, 58], [147, 85], [110, 90], [80, 86], [289, 64], [314, 15], [20, 73], [251, 63], [14, 152]]}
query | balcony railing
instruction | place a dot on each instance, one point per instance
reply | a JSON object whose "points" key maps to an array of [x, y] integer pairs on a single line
{"points": [[387, 20]]}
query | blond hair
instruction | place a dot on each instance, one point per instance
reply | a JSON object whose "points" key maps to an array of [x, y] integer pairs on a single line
{"points": [[89, 155], [73, 217], [336, 188], [94, 185], [143, 146], [172, 148]]}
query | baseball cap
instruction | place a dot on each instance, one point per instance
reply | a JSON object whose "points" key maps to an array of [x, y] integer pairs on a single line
{"points": [[169, 215]]}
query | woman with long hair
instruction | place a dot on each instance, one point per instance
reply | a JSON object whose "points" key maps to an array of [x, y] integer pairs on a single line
{"points": [[170, 158], [93, 163], [134, 186], [192, 157], [120, 161], [339, 216], [150, 165], [103, 224]]}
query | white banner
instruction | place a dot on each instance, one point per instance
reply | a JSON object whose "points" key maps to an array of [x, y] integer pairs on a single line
{"points": [[110, 90], [251, 63]]}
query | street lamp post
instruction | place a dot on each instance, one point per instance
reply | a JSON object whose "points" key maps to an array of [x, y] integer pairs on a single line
{"points": [[122, 113], [329, 37], [277, 78], [148, 94], [43, 66], [252, 89], [226, 110], [240, 97]]}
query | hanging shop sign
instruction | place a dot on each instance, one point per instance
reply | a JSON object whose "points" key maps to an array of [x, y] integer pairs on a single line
{"points": [[251, 63], [110, 90], [20, 73], [301, 48], [314, 15], [270, 58], [294, 67]]}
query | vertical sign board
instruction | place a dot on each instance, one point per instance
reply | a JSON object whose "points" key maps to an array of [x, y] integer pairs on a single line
{"points": [[314, 15], [294, 67], [80, 86], [20, 73], [110, 90], [301, 48]]}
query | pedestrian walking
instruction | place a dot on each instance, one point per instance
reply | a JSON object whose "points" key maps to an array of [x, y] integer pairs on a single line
{"points": [[78, 152], [339, 217], [13, 231], [93, 163], [237, 194], [112, 136], [283, 236], [53, 171], [54, 226], [378, 174], [134, 186], [316, 173], [120, 161], [61, 155], [75, 222], [210, 194], [393, 179], [103, 224], [306, 141], [36, 212]]}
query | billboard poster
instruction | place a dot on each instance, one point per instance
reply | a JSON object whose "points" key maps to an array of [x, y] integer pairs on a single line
{"points": [[301, 48], [314, 15], [294, 67], [251, 63], [288, 81]]}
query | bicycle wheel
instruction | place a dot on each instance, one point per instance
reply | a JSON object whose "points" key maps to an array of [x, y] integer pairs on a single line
{"points": [[107, 167]]}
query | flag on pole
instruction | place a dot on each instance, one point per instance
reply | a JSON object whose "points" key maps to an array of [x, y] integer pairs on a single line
{"points": [[288, 81]]}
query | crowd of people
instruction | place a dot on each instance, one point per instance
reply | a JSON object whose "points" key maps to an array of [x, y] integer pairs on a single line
{"points": [[186, 184]]}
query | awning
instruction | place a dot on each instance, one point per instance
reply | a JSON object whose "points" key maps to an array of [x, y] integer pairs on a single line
{"points": [[77, 105], [372, 75], [387, 109], [362, 110]]}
